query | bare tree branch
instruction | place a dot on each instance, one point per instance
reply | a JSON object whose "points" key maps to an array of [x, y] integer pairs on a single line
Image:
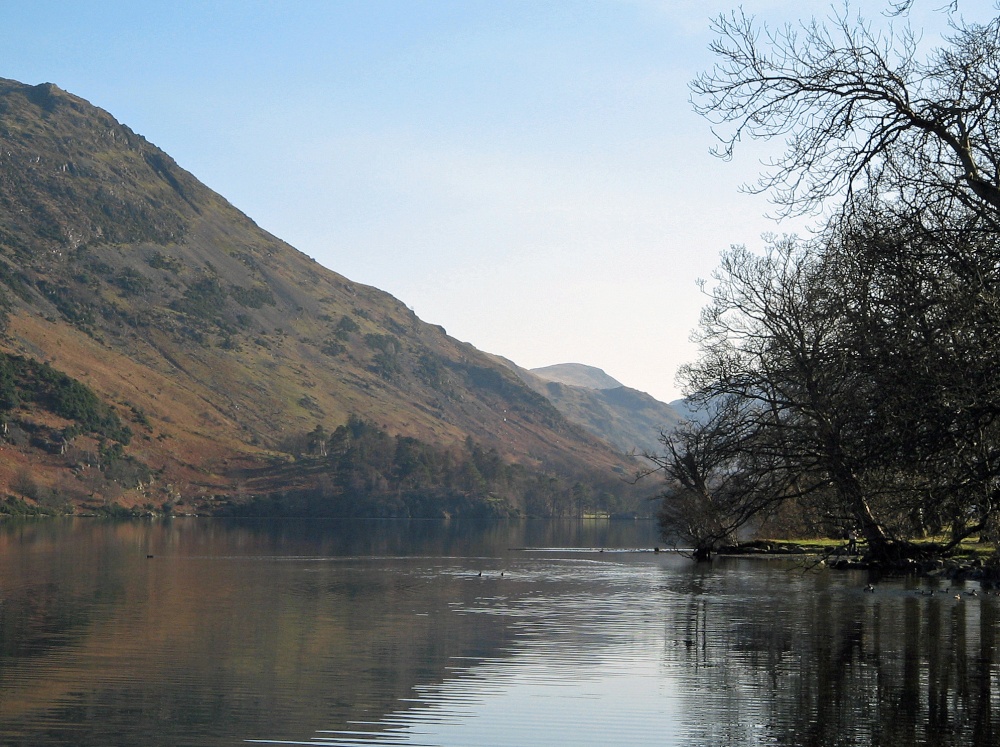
{"points": [[858, 110]]}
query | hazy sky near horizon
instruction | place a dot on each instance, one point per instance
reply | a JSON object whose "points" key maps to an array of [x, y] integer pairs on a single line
{"points": [[529, 175]]}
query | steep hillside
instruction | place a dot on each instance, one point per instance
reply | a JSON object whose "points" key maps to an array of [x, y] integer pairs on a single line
{"points": [[577, 374], [627, 418], [217, 345]]}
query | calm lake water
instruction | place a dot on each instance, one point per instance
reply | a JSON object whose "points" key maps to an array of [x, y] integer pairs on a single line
{"points": [[385, 633]]}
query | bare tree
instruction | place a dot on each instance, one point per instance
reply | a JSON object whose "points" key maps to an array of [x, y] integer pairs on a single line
{"points": [[925, 320], [902, 7], [858, 109], [718, 483], [855, 375], [775, 337]]}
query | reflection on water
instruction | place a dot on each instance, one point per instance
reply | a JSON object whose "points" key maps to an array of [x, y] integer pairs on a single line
{"points": [[579, 667], [828, 663], [425, 633]]}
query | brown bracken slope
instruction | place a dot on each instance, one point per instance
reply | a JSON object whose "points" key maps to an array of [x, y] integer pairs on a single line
{"points": [[215, 343]]}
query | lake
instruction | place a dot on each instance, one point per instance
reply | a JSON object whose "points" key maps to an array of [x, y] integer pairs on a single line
{"points": [[209, 632]]}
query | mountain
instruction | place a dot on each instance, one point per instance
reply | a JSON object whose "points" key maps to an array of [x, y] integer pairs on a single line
{"points": [[159, 347], [629, 419], [577, 374]]}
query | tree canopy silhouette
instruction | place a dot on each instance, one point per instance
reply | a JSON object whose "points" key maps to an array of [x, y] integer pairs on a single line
{"points": [[852, 374]]}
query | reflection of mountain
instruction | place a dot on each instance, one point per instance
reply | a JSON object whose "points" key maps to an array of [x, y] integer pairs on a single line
{"points": [[254, 631], [175, 649], [244, 630]]}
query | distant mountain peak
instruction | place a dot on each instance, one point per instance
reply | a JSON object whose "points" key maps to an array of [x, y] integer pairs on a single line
{"points": [[628, 418], [577, 374]]}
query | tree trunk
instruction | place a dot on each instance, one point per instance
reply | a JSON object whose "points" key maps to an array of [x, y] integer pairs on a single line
{"points": [[702, 554], [853, 499]]}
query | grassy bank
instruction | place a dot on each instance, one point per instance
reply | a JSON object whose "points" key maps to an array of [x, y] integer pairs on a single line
{"points": [[970, 559]]}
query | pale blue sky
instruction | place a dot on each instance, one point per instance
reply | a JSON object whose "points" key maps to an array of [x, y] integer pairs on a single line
{"points": [[527, 174]]}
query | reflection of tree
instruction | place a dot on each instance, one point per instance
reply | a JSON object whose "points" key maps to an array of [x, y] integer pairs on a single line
{"points": [[815, 666]]}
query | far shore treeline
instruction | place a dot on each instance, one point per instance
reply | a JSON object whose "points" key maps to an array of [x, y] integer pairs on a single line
{"points": [[363, 471]]}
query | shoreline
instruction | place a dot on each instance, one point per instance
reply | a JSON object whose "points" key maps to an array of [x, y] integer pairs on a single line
{"points": [[967, 564]]}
